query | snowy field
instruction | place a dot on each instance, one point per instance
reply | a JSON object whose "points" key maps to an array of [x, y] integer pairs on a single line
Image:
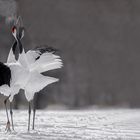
{"points": [[117, 124]]}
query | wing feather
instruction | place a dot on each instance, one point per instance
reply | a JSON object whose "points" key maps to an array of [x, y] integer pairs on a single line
{"points": [[43, 59], [36, 83]]}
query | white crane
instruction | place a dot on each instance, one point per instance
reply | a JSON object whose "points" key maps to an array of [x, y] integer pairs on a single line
{"points": [[36, 62]]}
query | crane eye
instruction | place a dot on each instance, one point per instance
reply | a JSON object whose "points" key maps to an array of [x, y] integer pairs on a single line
{"points": [[13, 29]]}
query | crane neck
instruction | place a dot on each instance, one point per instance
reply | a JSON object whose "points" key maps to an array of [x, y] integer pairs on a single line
{"points": [[22, 55], [21, 49], [12, 53]]}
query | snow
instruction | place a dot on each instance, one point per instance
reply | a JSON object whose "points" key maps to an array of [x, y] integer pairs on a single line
{"points": [[107, 124]]}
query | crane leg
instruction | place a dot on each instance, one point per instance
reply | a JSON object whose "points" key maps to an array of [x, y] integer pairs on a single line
{"points": [[29, 116], [8, 122], [34, 109], [34, 112], [11, 113]]}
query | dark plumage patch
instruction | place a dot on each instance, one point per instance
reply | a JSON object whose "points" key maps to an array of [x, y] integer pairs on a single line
{"points": [[14, 47], [5, 75], [20, 46], [15, 50], [45, 48]]}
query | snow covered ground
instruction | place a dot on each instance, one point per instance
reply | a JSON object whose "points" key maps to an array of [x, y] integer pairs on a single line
{"points": [[110, 124]]}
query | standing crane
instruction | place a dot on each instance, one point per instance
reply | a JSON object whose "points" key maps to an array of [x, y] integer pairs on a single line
{"points": [[35, 62]]}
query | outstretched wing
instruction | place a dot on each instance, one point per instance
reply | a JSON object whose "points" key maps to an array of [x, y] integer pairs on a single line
{"points": [[43, 59], [36, 83], [35, 54]]}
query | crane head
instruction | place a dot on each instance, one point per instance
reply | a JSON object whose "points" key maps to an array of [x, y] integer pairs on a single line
{"points": [[18, 29]]}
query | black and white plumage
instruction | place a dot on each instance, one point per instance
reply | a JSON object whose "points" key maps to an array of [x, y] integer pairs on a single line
{"points": [[18, 75], [13, 77], [11, 80], [43, 59], [37, 81]]}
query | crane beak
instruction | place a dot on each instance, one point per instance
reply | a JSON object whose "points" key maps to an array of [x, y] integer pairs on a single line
{"points": [[19, 22], [19, 27]]}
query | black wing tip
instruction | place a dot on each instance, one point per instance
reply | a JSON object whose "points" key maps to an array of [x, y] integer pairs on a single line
{"points": [[46, 48]]}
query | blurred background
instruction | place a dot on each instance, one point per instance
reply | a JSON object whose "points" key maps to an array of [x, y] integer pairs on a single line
{"points": [[99, 42]]}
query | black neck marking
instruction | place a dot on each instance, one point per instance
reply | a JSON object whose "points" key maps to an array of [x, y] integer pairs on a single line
{"points": [[20, 46], [14, 47]]}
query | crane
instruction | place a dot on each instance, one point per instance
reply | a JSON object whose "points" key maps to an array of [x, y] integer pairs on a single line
{"points": [[36, 62]]}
